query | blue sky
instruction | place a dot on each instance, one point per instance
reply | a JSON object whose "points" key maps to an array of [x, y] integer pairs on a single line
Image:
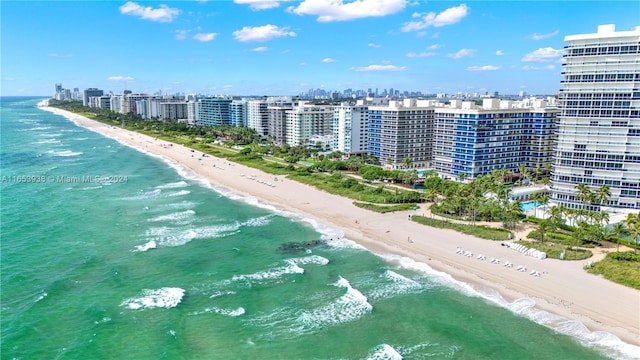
{"points": [[271, 47]]}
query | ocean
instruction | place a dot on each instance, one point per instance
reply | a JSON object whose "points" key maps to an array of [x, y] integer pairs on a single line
{"points": [[109, 253]]}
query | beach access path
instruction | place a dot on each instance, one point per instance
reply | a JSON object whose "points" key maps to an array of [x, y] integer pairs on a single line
{"points": [[563, 288]]}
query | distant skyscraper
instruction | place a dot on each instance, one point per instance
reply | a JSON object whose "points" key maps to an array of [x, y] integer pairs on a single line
{"points": [[58, 88], [599, 122]]}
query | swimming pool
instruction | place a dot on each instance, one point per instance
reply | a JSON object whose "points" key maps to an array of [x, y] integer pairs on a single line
{"points": [[529, 205]]}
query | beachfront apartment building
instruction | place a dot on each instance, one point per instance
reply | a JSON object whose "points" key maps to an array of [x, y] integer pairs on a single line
{"points": [[130, 100], [402, 130], [306, 121], [599, 122], [87, 93], [116, 104], [193, 111], [351, 128], [258, 116], [472, 140], [278, 122], [214, 111], [238, 112], [258, 112], [173, 110]]}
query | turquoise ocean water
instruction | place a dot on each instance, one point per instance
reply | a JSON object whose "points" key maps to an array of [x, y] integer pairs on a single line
{"points": [[163, 266]]}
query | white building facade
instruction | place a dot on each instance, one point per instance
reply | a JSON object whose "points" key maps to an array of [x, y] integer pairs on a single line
{"points": [[350, 128], [599, 122]]}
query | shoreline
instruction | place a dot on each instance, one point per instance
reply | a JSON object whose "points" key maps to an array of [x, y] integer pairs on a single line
{"points": [[563, 289]]}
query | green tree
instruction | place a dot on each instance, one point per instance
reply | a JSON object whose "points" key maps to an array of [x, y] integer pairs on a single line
{"points": [[407, 162], [618, 230], [603, 194], [583, 193]]}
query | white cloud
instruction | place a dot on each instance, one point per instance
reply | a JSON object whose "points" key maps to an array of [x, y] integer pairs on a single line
{"points": [[547, 67], [181, 34], [9, 78], [260, 49], [285, 51], [462, 54], [257, 5], [160, 14], [337, 10], [483, 68], [544, 36], [434, 47], [205, 37], [302, 63], [373, 45], [328, 60], [227, 86], [261, 33], [420, 55], [449, 16], [120, 78], [499, 52], [379, 68], [59, 55], [547, 54], [421, 34]]}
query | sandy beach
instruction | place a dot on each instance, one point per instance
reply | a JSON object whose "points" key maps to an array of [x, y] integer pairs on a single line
{"points": [[563, 288]]}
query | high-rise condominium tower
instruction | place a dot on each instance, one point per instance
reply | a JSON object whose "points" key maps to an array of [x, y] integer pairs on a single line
{"points": [[599, 122]]}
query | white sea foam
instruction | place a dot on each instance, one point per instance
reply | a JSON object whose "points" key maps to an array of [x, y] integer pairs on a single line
{"points": [[228, 312], [312, 259], [49, 141], [221, 293], [166, 297], [259, 221], [175, 217], [604, 341], [149, 245], [167, 236], [92, 187], [395, 285], [64, 153], [269, 274], [145, 195], [343, 243], [178, 193], [173, 185], [384, 352], [180, 205], [350, 306], [42, 296]]}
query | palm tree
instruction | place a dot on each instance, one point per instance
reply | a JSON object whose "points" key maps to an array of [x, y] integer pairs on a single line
{"points": [[543, 200], [633, 224], [407, 162], [524, 172], [536, 198], [462, 176], [618, 229], [544, 227], [555, 214], [603, 194], [583, 194]]}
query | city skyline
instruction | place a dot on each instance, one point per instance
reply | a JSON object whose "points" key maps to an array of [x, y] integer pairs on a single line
{"points": [[270, 47]]}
